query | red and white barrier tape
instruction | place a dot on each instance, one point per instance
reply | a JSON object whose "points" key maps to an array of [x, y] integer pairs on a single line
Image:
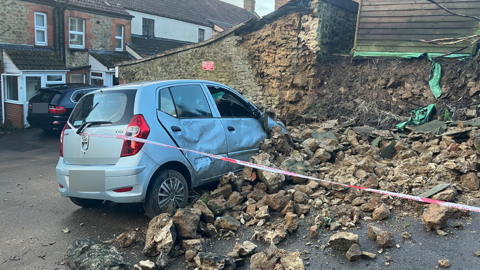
{"points": [[265, 168]]}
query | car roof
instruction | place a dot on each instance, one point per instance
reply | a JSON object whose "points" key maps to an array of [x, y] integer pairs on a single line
{"points": [[70, 86], [137, 85]]}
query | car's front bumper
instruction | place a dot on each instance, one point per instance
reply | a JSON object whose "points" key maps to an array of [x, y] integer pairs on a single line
{"points": [[134, 171]]}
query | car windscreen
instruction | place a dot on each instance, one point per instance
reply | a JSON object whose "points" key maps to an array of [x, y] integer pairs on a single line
{"points": [[114, 106], [51, 97]]}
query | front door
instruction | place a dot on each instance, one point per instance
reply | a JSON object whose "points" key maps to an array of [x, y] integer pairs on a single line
{"points": [[244, 132], [32, 84], [185, 114]]}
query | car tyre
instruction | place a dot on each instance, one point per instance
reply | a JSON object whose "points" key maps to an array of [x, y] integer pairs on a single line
{"points": [[85, 203], [167, 193]]}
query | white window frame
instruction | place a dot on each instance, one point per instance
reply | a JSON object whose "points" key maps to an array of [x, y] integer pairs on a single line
{"points": [[97, 77], [120, 38], [5, 89], [47, 82], [76, 33], [40, 28]]}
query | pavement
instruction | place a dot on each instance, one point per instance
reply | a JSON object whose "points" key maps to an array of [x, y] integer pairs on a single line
{"points": [[33, 217]]}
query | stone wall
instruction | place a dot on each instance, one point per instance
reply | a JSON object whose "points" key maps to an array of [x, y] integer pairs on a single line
{"points": [[13, 22], [76, 58], [101, 33]]}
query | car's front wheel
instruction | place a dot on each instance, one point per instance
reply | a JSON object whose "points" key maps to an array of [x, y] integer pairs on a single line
{"points": [[86, 203], [167, 193]]}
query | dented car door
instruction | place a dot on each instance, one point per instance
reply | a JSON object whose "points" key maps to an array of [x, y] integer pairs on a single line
{"points": [[185, 114]]}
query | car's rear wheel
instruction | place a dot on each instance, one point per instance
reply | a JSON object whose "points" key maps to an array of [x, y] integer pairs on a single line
{"points": [[86, 203], [167, 193]]}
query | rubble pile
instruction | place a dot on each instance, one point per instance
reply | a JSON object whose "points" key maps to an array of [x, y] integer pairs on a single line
{"points": [[273, 205]]}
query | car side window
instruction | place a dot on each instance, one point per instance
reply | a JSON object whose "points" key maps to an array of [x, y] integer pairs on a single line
{"points": [[166, 102], [228, 104], [77, 95], [190, 102]]}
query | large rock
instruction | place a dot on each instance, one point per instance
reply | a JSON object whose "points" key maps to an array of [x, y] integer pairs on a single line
{"points": [[244, 250], [273, 258], [343, 241], [274, 181], [94, 255], [470, 181], [276, 234], [217, 206], [224, 191], [373, 232], [212, 261], [291, 221], [161, 235], [227, 222], [263, 212], [436, 217], [186, 220], [127, 239], [207, 214], [381, 212], [300, 197], [354, 253], [234, 199], [192, 244], [276, 201], [385, 239]]}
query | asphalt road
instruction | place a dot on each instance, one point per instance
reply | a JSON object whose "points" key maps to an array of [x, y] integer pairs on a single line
{"points": [[33, 216]]}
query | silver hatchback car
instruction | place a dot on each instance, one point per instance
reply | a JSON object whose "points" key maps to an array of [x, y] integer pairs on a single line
{"points": [[198, 115]]}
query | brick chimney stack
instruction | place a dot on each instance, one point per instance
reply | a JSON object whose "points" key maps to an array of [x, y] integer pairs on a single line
{"points": [[249, 5], [280, 3]]}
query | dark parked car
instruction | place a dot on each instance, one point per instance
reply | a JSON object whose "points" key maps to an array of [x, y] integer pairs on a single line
{"points": [[51, 106]]}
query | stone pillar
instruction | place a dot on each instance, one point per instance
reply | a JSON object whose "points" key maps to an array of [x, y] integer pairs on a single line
{"points": [[280, 3], [249, 5]]}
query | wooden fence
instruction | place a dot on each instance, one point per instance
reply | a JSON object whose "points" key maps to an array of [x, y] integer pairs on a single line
{"points": [[390, 25]]}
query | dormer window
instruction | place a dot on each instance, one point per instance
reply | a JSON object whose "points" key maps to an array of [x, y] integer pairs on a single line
{"points": [[148, 27]]}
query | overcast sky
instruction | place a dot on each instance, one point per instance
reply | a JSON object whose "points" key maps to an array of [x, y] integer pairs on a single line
{"points": [[263, 7]]}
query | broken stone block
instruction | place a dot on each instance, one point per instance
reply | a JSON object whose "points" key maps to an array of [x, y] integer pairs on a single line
{"points": [[313, 185], [186, 220], [303, 188], [161, 235], [127, 239], [446, 195], [224, 191], [470, 181], [276, 201], [274, 181], [217, 206], [190, 255], [368, 255], [300, 197], [342, 241], [310, 144], [313, 232], [399, 146], [161, 261], [354, 253], [373, 232], [385, 239], [271, 257], [301, 209], [288, 208], [275, 235], [372, 204], [211, 261], [207, 215], [381, 212], [444, 263], [193, 244], [147, 265], [234, 199], [228, 222], [406, 236], [92, 254], [436, 217], [263, 213], [291, 221], [211, 231], [322, 155], [358, 201], [244, 250]]}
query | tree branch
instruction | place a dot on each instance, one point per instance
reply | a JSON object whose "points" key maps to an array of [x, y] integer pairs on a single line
{"points": [[453, 13]]}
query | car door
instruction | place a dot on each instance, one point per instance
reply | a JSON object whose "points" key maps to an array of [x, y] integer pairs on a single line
{"points": [[185, 114], [244, 132]]}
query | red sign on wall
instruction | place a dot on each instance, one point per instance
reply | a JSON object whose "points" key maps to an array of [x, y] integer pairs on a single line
{"points": [[207, 66]]}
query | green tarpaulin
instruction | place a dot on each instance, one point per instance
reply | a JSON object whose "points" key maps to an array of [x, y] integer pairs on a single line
{"points": [[418, 117]]}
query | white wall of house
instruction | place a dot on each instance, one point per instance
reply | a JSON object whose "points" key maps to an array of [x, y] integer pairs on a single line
{"points": [[169, 28]]}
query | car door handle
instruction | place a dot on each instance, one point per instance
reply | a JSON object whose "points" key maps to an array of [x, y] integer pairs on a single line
{"points": [[175, 128], [230, 128]]}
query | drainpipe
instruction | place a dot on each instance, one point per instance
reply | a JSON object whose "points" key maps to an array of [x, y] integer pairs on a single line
{"points": [[3, 103], [62, 34]]}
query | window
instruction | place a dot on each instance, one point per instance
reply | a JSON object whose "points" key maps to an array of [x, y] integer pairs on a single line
{"points": [[201, 35], [54, 79], [77, 95], [41, 29], [190, 102], [96, 78], [228, 104], [148, 27], [166, 103], [12, 87], [119, 37], [77, 33], [77, 78]]}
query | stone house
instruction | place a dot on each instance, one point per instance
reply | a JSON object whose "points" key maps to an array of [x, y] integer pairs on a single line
{"points": [[159, 26], [45, 42]]}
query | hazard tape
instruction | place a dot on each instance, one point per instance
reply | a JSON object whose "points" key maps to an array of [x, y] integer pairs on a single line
{"points": [[265, 168]]}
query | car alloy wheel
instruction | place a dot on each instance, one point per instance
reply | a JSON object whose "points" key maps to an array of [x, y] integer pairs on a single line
{"points": [[171, 192]]}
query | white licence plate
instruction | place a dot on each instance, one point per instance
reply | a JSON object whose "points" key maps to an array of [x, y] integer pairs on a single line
{"points": [[86, 181]]}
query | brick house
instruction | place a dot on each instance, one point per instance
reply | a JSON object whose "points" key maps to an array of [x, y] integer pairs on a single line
{"points": [[45, 42]]}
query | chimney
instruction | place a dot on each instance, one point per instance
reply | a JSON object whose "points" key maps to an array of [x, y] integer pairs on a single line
{"points": [[280, 3], [249, 5]]}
